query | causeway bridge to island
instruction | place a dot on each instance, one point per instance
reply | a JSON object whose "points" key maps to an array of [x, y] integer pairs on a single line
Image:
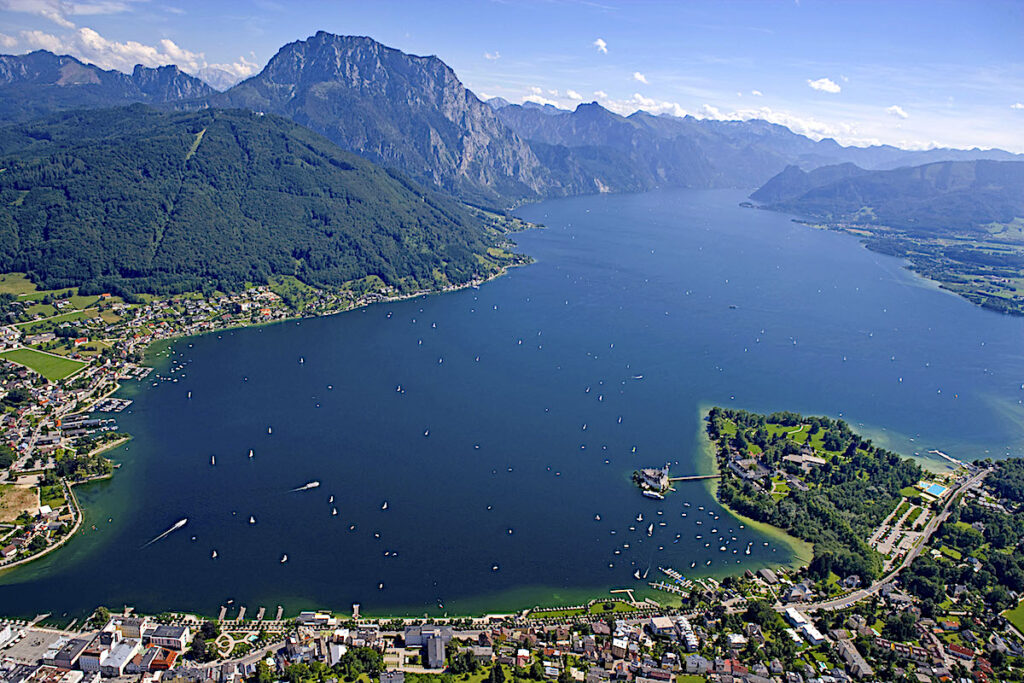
{"points": [[695, 477]]}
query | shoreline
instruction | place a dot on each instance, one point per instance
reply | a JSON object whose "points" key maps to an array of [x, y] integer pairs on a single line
{"points": [[166, 342], [802, 551]]}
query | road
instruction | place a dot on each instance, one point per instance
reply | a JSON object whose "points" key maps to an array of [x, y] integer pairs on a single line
{"points": [[926, 534]]}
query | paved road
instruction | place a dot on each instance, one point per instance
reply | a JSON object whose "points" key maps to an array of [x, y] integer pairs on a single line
{"points": [[929, 529]]}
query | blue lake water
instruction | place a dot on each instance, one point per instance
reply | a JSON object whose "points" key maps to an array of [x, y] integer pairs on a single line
{"points": [[520, 407]]}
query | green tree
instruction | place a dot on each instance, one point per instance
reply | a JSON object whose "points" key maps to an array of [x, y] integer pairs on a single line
{"points": [[263, 673]]}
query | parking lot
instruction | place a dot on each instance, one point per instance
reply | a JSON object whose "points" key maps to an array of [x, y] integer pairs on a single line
{"points": [[30, 649]]}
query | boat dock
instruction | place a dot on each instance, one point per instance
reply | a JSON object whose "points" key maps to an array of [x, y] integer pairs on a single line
{"points": [[671, 573], [259, 615], [668, 588]]}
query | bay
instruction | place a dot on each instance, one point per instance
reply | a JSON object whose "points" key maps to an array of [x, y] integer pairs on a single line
{"points": [[498, 423]]}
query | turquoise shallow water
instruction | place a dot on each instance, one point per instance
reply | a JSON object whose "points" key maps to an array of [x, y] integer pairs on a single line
{"points": [[505, 440]]}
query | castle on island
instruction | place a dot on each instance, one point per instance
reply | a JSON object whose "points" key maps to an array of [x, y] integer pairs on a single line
{"points": [[653, 482]]}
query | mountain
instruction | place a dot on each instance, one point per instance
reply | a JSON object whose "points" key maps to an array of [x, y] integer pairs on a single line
{"points": [[219, 79], [402, 111], [40, 83], [646, 151], [412, 114], [941, 197], [133, 200], [793, 181]]}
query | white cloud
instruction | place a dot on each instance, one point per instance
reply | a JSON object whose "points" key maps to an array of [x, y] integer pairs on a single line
{"points": [[42, 41], [539, 99], [756, 93], [601, 94], [553, 93], [89, 46], [647, 104], [535, 90], [7, 41], [1017, 105], [637, 76], [824, 85], [601, 46], [492, 55], [573, 95], [897, 111]]}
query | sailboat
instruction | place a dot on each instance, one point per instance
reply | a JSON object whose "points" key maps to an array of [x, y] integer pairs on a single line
{"points": [[214, 555], [252, 520], [284, 558], [334, 512], [213, 459], [636, 574], [650, 530], [640, 517], [330, 500], [384, 506], [270, 430], [250, 454]]}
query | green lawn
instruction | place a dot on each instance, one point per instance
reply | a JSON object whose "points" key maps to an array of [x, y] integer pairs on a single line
{"points": [[52, 496], [1016, 616], [951, 553], [911, 492], [690, 678], [617, 607], [50, 367], [16, 283]]}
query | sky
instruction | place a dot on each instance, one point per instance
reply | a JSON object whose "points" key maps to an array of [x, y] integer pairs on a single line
{"points": [[915, 74]]}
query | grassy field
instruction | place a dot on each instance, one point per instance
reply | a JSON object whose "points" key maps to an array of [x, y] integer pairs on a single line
{"points": [[49, 324], [52, 496], [1016, 616], [14, 500], [16, 283], [50, 367]]}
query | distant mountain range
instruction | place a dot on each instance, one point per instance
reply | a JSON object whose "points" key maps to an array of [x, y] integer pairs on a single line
{"points": [[413, 114], [99, 191], [946, 196], [135, 200], [41, 83]]}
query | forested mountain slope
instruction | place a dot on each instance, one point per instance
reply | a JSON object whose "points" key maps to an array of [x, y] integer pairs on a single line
{"points": [[132, 200]]}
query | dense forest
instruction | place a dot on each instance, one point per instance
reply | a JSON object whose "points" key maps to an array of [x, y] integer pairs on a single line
{"points": [[1007, 480], [134, 200], [847, 497]]}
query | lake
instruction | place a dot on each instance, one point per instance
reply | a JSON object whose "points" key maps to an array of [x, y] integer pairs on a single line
{"points": [[498, 424]]}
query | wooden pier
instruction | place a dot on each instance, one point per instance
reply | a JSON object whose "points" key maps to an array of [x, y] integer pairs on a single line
{"points": [[696, 477]]}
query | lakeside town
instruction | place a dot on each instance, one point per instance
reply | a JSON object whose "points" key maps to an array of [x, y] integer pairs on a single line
{"points": [[940, 604]]}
